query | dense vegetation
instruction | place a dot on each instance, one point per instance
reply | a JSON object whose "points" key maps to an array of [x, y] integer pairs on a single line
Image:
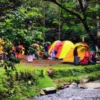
{"points": [[28, 81], [39, 20]]}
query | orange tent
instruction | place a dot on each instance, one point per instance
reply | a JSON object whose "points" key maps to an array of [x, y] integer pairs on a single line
{"points": [[64, 49], [83, 50]]}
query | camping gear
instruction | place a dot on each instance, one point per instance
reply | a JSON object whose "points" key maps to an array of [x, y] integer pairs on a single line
{"points": [[19, 51], [30, 58], [65, 47], [53, 54], [83, 50]]}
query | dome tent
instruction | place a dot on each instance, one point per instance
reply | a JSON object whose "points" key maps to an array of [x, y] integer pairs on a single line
{"points": [[65, 47], [83, 50], [55, 46]]}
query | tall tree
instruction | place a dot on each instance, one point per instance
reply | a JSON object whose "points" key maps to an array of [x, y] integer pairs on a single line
{"points": [[81, 14]]}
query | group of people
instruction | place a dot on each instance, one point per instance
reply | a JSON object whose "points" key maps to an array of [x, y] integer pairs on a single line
{"points": [[86, 60]]}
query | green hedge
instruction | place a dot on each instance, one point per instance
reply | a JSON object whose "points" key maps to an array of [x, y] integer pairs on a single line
{"points": [[74, 71]]}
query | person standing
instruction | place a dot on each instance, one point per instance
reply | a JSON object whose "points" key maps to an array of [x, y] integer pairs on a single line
{"points": [[76, 58]]}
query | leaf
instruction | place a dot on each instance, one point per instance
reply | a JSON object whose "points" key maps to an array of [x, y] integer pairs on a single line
{"points": [[65, 27]]}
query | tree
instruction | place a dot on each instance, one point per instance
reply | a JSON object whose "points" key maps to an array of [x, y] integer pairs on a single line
{"points": [[81, 14]]}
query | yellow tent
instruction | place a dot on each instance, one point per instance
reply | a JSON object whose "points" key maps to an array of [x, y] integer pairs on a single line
{"points": [[64, 49]]}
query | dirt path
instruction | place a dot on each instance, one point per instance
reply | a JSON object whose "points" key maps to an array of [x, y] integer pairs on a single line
{"points": [[38, 63]]}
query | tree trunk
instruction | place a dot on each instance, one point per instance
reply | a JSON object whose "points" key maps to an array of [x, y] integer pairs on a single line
{"points": [[44, 23], [86, 27], [59, 29]]}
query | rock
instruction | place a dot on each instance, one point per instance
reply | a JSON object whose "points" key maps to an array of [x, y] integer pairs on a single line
{"points": [[50, 71], [72, 94], [73, 85], [90, 85], [42, 92], [97, 81], [25, 99], [63, 87], [84, 80], [49, 90]]}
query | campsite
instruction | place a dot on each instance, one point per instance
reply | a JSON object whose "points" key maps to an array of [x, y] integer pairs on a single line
{"points": [[49, 50]]}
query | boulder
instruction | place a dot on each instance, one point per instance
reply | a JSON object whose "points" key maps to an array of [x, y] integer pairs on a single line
{"points": [[63, 87], [90, 85], [84, 80], [42, 92], [49, 90], [73, 85]]}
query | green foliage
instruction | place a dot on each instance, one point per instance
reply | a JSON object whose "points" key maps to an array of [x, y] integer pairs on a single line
{"points": [[31, 50], [44, 81], [74, 72], [3, 1], [24, 16], [28, 90], [27, 82], [20, 24], [24, 83], [8, 61]]}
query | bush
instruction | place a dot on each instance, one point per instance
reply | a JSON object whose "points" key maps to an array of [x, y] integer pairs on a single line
{"points": [[76, 71]]}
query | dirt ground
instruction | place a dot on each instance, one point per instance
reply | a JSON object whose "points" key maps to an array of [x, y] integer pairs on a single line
{"points": [[38, 63]]}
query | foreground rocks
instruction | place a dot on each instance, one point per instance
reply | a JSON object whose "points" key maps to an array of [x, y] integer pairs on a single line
{"points": [[72, 94], [91, 85], [49, 90], [84, 91]]}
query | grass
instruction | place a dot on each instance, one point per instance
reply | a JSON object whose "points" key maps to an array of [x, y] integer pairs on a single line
{"points": [[66, 73], [68, 80], [64, 70]]}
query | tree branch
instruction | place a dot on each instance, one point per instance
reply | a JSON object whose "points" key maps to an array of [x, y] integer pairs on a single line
{"points": [[82, 9], [67, 10], [83, 20]]}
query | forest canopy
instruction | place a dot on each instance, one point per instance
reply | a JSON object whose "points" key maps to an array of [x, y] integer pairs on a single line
{"points": [[49, 20]]}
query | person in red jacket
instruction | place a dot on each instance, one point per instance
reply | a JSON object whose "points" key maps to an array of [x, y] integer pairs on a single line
{"points": [[85, 61]]}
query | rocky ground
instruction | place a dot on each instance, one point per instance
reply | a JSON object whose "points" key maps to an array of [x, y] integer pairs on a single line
{"points": [[72, 94], [84, 91]]}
